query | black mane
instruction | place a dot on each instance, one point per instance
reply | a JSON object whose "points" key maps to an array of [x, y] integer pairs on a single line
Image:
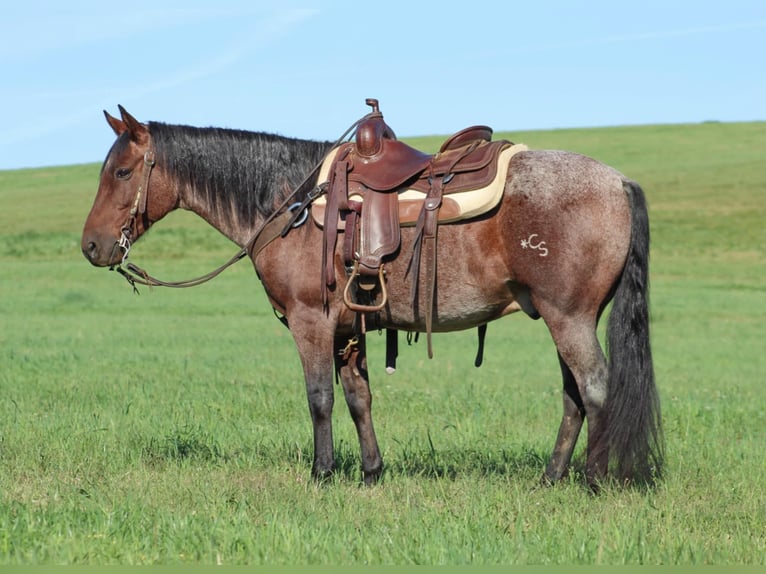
{"points": [[237, 173]]}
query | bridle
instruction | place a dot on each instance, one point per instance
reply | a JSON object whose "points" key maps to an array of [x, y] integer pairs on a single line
{"points": [[287, 215], [138, 207], [283, 220]]}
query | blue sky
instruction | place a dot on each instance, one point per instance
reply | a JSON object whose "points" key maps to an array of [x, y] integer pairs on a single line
{"points": [[304, 69]]}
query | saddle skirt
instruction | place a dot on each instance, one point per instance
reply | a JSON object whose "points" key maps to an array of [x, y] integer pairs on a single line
{"points": [[459, 201]]}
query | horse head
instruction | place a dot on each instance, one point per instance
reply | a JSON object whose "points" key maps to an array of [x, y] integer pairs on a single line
{"points": [[126, 205]]}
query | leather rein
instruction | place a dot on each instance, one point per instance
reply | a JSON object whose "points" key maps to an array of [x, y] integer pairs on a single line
{"points": [[286, 216]]}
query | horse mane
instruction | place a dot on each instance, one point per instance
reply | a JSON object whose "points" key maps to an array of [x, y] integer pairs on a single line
{"points": [[236, 173]]}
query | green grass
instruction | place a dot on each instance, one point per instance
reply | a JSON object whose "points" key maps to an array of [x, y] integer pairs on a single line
{"points": [[172, 427]]}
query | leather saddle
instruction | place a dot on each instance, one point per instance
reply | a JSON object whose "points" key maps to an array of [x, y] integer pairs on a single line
{"points": [[377, 183]]}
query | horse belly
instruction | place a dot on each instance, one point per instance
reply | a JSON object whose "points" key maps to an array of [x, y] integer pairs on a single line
{"points": [[454, 314], [473, 284]]}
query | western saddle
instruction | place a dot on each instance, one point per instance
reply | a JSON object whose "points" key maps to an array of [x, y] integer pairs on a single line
{"points": [[375, 184]]}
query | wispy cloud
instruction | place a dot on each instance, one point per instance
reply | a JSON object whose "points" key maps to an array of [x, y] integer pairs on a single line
{"points": [[35, 34], [267, 28]]}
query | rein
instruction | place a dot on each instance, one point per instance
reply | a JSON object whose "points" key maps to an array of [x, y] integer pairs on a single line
{"points": [[279, 223]]}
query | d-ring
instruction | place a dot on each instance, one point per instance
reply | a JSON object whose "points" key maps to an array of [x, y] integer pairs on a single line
{"points": [[303, 217]]}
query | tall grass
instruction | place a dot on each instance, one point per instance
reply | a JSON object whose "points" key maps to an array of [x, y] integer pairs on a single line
{"points": [[172, 427]]}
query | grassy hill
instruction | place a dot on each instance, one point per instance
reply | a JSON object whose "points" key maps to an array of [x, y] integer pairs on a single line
{"points": [[172, 427]]}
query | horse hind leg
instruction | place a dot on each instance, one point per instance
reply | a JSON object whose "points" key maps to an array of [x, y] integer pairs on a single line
{"points": [[581, 354], [351, 365], [569, 430]]}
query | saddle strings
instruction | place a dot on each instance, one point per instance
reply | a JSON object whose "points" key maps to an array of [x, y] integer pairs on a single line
{"points": [[135, 275]]}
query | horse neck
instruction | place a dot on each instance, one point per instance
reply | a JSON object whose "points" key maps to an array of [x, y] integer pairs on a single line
{"points": [[192, 199], [234, 179]]}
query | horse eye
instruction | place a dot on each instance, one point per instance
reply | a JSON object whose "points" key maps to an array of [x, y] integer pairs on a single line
{"points": [[123, 173]]}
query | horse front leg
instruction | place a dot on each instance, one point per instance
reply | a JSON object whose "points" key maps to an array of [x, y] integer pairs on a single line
{"points": [[314, 344], [351, 364]]}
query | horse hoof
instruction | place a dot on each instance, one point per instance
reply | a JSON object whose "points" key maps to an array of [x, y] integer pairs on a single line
{"points": [[322, 476], [553, 477], [372, 478], [547, 481]]}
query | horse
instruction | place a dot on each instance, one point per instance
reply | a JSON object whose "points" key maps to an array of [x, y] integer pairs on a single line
{"points": [[569, 236]]}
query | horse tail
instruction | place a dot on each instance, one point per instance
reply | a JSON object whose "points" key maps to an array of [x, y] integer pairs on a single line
{"points": [[633, 408]]}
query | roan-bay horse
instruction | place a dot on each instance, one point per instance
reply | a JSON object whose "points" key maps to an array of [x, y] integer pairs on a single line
{"points": [[569, 235]]}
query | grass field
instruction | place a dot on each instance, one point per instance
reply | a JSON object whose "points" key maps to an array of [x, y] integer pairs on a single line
{"points": [[172, 427]]}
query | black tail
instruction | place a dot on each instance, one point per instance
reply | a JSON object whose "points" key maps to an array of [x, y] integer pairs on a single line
{"points": [[633, 406]]}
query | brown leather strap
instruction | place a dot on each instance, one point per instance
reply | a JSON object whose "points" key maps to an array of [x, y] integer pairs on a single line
{"points": [[392, 349], [430, 227], [337, 187], [350, 231], [143, 191], [429, 253], [480, 351], [424, 245], [269, 233]]}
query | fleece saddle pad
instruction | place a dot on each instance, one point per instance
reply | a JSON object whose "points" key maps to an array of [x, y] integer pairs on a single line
{"points": [[455, 206]]}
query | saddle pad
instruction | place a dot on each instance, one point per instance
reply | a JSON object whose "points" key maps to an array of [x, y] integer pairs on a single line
{"points": [[455, 206]]}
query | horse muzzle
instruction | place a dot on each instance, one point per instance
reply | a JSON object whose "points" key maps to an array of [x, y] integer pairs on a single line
{"points": [[102, 251]]}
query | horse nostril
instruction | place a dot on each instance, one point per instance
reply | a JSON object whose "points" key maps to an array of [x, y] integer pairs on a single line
{"points": [[90, 250]]}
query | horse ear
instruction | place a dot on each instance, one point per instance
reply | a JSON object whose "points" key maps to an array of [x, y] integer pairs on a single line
{"points": [[118, 126], [139, 133]]}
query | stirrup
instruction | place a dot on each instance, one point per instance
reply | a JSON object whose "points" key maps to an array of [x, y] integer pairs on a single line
{"points": [[365, 308]]}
